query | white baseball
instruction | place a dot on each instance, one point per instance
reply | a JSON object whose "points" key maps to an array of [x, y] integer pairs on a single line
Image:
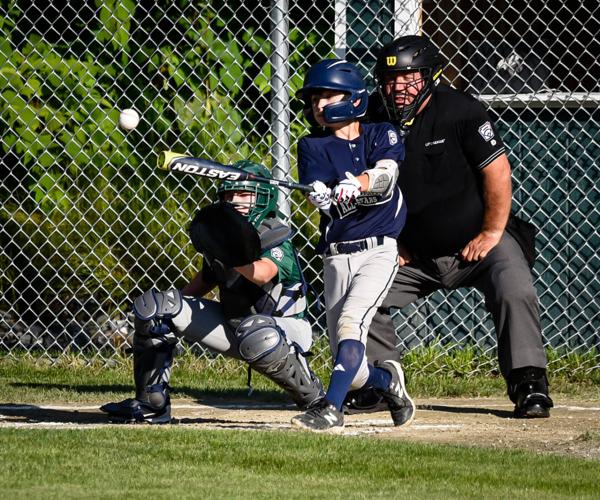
{"points": [[129, 119]]}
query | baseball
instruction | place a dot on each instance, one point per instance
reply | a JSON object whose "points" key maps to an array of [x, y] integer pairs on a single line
{"points": [[129, 119]]}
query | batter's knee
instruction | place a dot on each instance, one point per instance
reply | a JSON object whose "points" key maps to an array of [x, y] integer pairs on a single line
{"points": [[348, 328]]}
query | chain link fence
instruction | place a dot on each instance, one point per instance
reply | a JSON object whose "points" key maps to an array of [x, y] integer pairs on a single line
{"points": [[88, 222]]}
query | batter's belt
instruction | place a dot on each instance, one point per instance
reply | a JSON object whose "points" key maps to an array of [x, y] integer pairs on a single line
{"points": [[354, 246]]}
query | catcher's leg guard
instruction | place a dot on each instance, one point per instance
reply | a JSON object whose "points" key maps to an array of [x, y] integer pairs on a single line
{"points": [[262, 344], [152, 359], [153, 345]]}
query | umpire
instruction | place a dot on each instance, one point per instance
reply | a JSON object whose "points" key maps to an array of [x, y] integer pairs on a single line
{"points": [[456, 179]]}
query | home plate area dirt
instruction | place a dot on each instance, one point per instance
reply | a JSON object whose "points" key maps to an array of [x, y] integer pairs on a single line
{"points": [[573, 429]]}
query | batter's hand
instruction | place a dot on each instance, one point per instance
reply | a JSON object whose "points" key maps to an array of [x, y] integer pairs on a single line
{"points": [[320, 196], [480, 246], [348, 189]]}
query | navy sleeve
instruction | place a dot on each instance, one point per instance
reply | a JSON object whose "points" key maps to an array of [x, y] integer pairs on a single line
{"points": [[481, 143], [308, 162], [387, 145], [313, 163]]}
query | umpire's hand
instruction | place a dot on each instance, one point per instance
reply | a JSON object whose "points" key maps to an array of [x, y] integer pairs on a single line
{"points": [[480, 246]]}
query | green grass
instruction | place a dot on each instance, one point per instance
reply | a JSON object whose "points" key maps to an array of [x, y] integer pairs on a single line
{"points": [[72, 379], [183, 462], [174, 462]]}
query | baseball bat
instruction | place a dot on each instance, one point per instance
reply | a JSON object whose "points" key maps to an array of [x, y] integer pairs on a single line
{"points": [[176, 162]]}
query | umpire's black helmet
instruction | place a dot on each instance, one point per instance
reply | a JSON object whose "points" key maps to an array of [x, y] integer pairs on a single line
{"points": [[408, 53]]}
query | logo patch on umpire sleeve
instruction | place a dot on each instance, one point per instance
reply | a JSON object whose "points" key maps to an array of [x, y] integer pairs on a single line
{"points": [[392, 137], [277, 254], [486, 131]]}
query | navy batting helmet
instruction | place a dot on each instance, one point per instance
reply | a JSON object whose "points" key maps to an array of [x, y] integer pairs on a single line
{"points": [[336, 74], [408, 53]]}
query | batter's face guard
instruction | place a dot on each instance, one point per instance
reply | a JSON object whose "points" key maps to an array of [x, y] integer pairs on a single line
{"points": [[407, 71], [261, 201], [340, 77]]}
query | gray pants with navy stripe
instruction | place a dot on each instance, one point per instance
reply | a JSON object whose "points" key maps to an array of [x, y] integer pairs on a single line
{"points": [[504, 279], [201, 320], [355, 286]]}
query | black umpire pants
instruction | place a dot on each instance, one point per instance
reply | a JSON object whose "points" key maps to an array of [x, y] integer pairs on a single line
{"points": [[504, 279]]}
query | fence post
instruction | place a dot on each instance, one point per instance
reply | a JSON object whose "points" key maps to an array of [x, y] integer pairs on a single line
{"points": [[280, 110]]}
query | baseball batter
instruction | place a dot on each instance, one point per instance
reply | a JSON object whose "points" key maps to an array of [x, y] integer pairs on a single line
{"points": [[259, 318], [349, 161]]}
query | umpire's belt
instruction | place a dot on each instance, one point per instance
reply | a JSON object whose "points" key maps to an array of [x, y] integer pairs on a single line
{"points": [[354, 246]]}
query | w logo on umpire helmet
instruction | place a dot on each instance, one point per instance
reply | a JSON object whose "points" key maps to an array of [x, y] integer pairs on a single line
{"points": [[390, 60]]}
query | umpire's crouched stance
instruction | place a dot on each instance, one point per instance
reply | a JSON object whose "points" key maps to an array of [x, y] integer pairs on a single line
{"points": [[248, 255]]}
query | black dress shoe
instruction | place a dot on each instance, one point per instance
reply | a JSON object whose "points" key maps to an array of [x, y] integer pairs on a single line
{"points": [[528, 389]]}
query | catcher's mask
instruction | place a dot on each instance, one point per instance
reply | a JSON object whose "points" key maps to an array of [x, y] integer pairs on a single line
{"points": [[338, 75], [407, 54], [264, 202]]}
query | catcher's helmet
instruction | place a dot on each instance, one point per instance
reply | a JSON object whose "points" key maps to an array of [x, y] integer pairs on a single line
{"points": [[408, 53], [336, 74], [265, 195]]}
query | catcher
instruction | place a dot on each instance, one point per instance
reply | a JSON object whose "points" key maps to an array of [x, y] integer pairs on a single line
{"points": [[259, 319]]}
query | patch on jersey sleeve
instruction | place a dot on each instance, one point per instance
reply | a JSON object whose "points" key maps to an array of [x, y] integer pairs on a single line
{"points": [[392, 137], [486, 131], [277, 254]]}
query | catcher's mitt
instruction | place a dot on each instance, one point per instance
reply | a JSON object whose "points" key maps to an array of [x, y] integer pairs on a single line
{"points": [[220, 231]]}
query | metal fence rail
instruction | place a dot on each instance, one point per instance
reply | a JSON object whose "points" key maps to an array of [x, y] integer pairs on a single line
{"points": [[87, 222]]}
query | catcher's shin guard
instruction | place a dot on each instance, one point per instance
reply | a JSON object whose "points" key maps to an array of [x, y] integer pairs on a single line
{"points": [[153, 344], [262, 344], [152, 360]]}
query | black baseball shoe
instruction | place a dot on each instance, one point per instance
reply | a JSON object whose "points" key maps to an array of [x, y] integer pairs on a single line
{"points": [[364, 400], [323, 416], [528, 389], [134, 411], [401, 406]]}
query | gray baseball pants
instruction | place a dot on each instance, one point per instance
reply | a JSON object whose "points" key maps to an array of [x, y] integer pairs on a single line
{"points": [[355, 286], [201, 320], [505, 281]]}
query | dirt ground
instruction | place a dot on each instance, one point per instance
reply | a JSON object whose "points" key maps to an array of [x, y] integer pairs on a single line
{"points": [[573, 429]]}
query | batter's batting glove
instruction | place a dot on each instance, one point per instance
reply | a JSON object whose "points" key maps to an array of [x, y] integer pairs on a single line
{"points": [[320, 196], [348, 189]]}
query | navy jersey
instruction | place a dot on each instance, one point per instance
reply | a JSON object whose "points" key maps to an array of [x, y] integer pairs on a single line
{"points": [[328, 158]]}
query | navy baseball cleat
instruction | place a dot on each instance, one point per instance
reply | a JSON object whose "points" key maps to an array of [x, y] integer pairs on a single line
{"points": [[323, 416], [401, 406], [133, 411]]}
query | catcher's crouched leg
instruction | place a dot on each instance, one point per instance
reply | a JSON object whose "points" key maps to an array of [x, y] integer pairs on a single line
{"points": [[262, 344], [153, 346]]}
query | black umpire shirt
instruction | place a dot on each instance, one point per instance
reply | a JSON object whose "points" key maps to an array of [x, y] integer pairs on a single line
{"points": [[449, 142]]}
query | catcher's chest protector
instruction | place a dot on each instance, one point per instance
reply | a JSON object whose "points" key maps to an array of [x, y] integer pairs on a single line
{"points": [[240, 297]]}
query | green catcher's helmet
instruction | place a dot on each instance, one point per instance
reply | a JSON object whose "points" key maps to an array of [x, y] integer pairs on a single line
{"points": [[265, 195]]}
